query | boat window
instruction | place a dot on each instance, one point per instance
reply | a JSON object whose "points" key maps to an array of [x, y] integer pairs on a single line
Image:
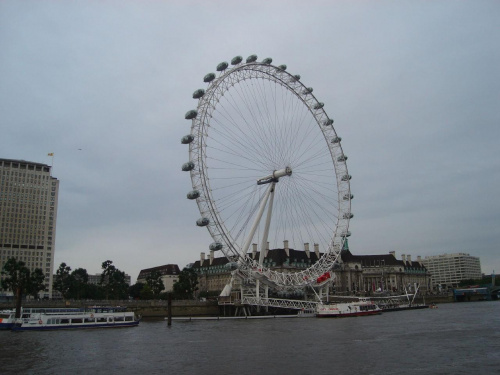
{"points": [[101, 320], [119, 319], [64, 321], [88, 320], [128, 318], [76, 321]]}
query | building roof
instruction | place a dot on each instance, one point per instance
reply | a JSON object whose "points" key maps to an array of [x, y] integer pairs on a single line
{"points": [[167, 269], [279, 258], [276, 256], [20, 161], [378, 260]]}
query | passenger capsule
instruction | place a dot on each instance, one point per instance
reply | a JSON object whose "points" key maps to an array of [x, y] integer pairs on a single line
{"points": [[282, 67], [251, 58], [328, 122], [186, 167], [202, 222], [347, 197], [267, 61], [297, 77], [345, 234], [236, 60], [319, 105], [348, 215], [346, 177], [215, 246], [187, 139], [191, 114], [222, 66], [336, 140], [193, 194], [209, 77], [198, 93], [231, 266], [308, 90], [342, 158]]}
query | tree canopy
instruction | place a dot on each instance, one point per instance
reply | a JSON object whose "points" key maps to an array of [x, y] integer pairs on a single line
{"points": [[75, 284], [155, 283], [113, 281], [21, 281], [187, 285]]}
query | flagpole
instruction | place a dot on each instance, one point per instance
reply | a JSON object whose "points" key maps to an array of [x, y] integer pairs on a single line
{"points": [[52, 160]]}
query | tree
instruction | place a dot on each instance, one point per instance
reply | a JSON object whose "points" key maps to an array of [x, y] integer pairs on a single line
{"points": [[155, 283], [36, 282], [62, 281], [134, 291], [79, 282], [21, 281], [185, 287], [146, 292], [113, 281]]}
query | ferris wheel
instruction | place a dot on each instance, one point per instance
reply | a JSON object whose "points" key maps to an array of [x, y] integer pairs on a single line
{"points": [[267, 170]]}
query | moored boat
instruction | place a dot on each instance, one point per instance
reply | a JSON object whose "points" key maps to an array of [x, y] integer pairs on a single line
{"points": [[93, 317], [346, 309], [7, 319]]}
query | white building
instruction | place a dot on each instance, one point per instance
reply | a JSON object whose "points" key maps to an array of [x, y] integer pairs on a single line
{"points": [[447, 270], [169, 275], [28, 215]]}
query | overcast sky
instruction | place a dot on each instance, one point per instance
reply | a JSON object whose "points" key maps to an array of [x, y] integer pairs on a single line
{"points": [[413, 86]]}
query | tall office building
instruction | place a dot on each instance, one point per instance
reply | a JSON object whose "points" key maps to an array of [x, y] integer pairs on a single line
{"points": [[28, 214], [448, 270]]}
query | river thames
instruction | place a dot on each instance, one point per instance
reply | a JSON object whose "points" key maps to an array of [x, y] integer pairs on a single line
{"points": [[455, 338]]}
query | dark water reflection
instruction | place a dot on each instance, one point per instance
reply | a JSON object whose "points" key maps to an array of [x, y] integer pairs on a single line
{"points": [[453, 339]]}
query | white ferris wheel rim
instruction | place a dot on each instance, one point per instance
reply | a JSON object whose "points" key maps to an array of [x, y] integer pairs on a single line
{"points": [[203, 125]]}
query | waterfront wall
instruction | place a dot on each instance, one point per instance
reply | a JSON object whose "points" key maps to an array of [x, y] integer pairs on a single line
{"points": [[143, 308], [158, 309]]}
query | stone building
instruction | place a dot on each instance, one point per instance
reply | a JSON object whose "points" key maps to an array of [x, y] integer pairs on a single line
{"points": [[360, 274], [214, 274], [380, 273], [169, 275]]}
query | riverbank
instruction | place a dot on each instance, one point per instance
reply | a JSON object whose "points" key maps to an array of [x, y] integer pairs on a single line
{"points": [[149, 308], [158, 308]]}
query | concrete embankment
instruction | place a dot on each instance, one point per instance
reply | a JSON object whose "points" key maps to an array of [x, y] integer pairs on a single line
{"points": [[158, 309], [142, 308]]}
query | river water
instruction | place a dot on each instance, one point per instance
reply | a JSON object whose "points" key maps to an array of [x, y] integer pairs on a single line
{"points": [[456, 338]]}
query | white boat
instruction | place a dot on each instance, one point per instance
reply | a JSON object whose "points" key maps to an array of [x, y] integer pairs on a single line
{"points": [[93, 317], [7, 319], [345, 309]]}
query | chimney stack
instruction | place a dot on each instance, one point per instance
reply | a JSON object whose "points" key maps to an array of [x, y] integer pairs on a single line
{"points": [[211, 256], [419, 259], [287, 250], [393, 253], [202, 258], [316, 249], [403, 258], [306, 248], [408, 258], [254, 250]]}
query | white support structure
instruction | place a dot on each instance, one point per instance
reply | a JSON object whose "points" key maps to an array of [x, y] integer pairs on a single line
{"points": [[307, 306], [231, 145]]}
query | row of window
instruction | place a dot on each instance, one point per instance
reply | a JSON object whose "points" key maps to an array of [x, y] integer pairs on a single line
{"points": [[109, 319]]}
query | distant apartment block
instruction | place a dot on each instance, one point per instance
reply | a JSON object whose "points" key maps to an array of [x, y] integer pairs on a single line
{"points": [[447, 270], [28, 215]]}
